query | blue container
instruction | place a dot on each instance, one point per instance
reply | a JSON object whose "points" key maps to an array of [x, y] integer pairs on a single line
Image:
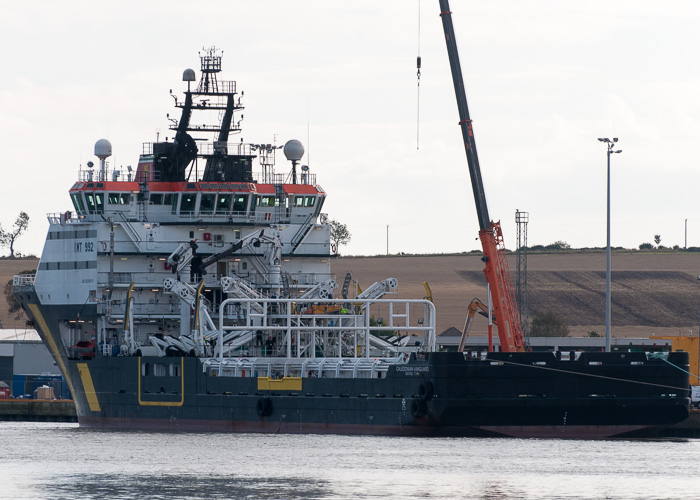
{"points": [[25, 385]]}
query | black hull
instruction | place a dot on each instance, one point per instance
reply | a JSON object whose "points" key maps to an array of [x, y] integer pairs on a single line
{"points": [[399, 404], [599, 395]]}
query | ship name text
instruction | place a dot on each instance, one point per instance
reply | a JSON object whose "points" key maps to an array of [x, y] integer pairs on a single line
{"points": [[412, 370]]}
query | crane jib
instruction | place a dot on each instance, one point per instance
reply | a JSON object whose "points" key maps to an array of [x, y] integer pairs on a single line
{"points": [[465, 121], [495, 260]]}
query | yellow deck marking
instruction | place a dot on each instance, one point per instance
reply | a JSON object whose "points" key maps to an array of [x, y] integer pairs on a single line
{"points": [[285, 384], [88, 387], [165, 403]]}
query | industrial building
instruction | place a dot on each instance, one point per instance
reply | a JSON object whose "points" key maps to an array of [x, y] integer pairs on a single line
{"points": [[26, 365]]}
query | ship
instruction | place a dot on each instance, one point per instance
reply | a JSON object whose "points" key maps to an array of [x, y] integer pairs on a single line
{"points": [[195, 293]]}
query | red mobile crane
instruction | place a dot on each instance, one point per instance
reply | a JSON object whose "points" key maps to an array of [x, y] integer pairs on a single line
{"points": [[495, 260]]}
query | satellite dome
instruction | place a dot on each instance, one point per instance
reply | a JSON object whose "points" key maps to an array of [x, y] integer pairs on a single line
{"points": [[293, 150], [103, 149], [188, 76]]}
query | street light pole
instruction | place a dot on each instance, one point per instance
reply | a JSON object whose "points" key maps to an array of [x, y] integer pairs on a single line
{"points": [[387, 239], [610, 144]]}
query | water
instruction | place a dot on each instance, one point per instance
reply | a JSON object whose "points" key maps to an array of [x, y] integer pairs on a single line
{"points": [[52, 460]]}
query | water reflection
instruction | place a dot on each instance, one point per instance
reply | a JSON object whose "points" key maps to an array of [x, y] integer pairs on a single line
{"points": [[61, 461], [157, 486]]}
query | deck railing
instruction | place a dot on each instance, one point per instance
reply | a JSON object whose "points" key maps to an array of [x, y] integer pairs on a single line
{"points": [[23, 280]]}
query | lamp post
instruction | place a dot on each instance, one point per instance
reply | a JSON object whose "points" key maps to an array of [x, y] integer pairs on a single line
{"points": [[610, 145]]}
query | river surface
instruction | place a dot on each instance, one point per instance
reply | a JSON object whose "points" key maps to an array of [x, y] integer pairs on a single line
{"points": [[62, 461]]}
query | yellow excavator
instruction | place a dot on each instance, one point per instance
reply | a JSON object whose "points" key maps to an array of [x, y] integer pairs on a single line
{"points": [[474, 306], [428, 292]]}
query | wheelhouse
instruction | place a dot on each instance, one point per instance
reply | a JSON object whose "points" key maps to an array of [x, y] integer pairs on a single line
{"points": [[172, 202]]}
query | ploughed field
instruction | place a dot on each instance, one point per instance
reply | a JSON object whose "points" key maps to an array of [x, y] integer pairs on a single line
{"points": [[653, 293]]}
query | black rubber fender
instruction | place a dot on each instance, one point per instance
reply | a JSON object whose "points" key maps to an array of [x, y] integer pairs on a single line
{"points": [[425, 391], [418, 408], [264, 407]]}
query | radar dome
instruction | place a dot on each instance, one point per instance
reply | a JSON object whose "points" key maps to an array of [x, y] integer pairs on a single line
{"points": [[188, 75], [103, 149], [293, 150]]}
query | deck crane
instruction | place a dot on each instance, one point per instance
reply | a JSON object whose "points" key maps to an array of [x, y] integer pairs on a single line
{"points": [[495, 260], [187, 252]]}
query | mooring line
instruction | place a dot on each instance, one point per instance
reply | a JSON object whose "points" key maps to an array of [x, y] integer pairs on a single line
{"points": [[678, 367], [589, 375]]}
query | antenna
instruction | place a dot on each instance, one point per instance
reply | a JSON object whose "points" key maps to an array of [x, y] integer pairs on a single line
{"points": [[308, 128], [211, 65]]}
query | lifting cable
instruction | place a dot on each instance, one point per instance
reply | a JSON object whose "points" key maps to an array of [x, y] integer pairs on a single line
{"points": [[418, 64]]}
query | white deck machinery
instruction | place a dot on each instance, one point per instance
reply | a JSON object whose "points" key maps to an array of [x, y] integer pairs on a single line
{"points": [[268, 334]]}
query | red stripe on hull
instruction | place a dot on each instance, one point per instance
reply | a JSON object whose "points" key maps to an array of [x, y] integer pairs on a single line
{"points": [[563, 432], [266, 426]]}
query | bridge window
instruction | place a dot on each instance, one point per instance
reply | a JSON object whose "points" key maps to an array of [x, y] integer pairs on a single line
{"points": [[266, 201], [95, 202], [240, 202], [319, 205], [223, 202], [118, 198], [188, 202], [78, 203], [173, 202], [309, 201], [206, 205], [299, 201], [156, 198]]}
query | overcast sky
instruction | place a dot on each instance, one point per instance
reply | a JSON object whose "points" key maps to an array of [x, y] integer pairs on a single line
{"points": [[544, 79]]}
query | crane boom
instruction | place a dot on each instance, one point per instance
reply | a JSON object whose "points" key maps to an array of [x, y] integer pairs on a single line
{"points": [[495, 260]]}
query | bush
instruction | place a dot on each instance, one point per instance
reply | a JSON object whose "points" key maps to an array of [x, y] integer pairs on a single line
{"points": [[558, 245], [646, 246], [548, 324], [13, 306]]}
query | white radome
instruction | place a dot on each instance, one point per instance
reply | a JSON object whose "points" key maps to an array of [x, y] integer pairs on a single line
{"points": [[293, 150], [103, 149]]}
